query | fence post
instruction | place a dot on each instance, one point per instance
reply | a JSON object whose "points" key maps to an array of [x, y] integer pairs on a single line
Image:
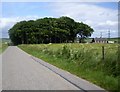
{"points": [[103, 54]]}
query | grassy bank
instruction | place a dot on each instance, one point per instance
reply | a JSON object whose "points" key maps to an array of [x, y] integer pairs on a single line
{"points": [[3, 47], [3, 44], [83, 60]]}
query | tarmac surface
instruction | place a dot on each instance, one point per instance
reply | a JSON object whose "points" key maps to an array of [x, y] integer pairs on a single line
{"points": [[0, 72], [21, 71]]}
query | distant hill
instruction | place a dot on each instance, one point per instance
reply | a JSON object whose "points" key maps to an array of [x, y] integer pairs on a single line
{"points": [[4, 40]]}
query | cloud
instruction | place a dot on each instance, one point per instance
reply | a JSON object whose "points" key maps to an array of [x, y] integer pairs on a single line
{"points": [[108, 23], [99, 18], [7, 23], [10, 21]]}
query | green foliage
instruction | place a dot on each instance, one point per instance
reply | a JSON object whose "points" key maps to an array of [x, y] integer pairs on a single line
{"points": [[83, 60], [48, 30]]}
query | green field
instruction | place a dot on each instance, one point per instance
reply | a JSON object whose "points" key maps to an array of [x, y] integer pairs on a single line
{"points": [[83, 60], [3, 47], [3, 44]]}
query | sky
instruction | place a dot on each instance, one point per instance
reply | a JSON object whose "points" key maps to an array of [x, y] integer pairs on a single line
{"points": [[101, 16]]}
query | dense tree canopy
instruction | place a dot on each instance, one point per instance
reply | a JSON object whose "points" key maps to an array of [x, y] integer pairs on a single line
{"points": [[48, 30]]}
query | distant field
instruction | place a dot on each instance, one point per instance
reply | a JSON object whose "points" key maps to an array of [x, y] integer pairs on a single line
{"points": [[83, 60], [3, 44], [3, 40], [3, 47]]}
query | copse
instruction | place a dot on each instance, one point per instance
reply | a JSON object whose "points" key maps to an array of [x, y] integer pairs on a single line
{"points": [[48, 30]]}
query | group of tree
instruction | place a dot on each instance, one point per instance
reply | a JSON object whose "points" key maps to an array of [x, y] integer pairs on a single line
{"points": [[48, 30]]}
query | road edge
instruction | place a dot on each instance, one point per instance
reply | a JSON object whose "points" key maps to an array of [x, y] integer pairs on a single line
{"points": [[73, 79]]}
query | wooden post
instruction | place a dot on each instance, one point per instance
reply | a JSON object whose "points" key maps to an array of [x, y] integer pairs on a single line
{"points": [[103, 54]]}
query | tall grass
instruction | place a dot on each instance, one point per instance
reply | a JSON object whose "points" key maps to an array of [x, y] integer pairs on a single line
{"points": [[83, 60], [3, 47]]}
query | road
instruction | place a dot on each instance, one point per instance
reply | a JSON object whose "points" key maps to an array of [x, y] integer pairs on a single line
{"points": [[21, 72], [0, 72]]}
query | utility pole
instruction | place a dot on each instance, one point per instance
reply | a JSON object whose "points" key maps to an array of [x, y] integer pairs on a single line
{"points": [[101, 35], [109, 34]]}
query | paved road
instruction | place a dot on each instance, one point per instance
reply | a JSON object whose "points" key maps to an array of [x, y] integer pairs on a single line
{"points": [[21, 72], [0, 72]]}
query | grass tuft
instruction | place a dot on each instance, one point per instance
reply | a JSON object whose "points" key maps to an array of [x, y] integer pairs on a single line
{"points": [[83, 60]]}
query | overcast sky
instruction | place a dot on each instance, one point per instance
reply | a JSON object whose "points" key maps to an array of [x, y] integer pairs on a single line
{"points": [[101, 16]]}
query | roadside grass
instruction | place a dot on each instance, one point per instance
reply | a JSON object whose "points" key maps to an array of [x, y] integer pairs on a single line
{"points": [[3, 47], [83, 60]]}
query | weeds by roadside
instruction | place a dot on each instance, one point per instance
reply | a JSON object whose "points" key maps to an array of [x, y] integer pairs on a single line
{"points": [[83, 60]]}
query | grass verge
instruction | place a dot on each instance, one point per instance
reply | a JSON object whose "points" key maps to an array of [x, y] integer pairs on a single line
{"points": [[83, 60], [3, 47]]}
